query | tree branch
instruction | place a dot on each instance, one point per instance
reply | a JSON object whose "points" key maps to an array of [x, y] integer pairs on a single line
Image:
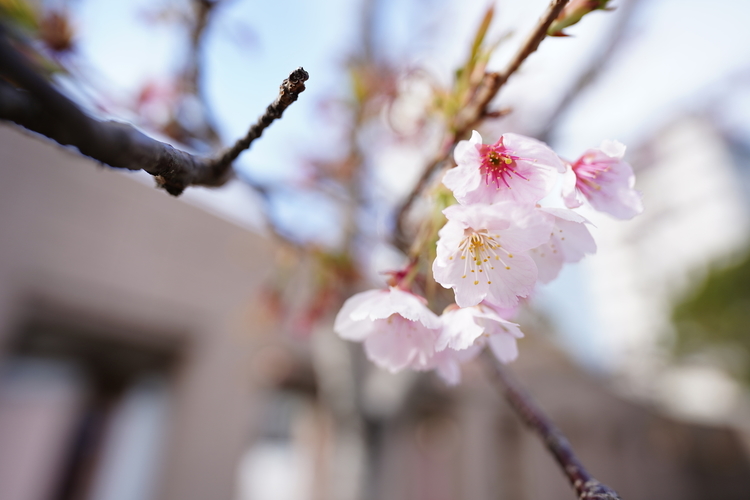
{"points": [[615, 37], [192, 73], [582, 482], [477, 109], [38, 106]]}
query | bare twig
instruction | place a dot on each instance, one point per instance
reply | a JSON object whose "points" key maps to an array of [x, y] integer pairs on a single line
{"points": [[477, 110], [585, 485], [192, 74], [38, 106], [400, 239]]}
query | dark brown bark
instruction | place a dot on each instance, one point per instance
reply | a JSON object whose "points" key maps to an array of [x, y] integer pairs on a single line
{"points": [[29, 100]]}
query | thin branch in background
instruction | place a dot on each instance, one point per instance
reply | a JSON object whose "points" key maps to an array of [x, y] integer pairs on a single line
{"points": [[585, 485], [493, 82], [596, 66], [192, 75], [38, 106], [476, 111], [289, 91]]}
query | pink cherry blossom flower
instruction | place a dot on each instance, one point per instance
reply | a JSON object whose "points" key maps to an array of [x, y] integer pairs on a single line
{"points": [[605, 180], [570, 240], [465, 333], [482, 252], [470, 326], [515, 168], [397, 328]]}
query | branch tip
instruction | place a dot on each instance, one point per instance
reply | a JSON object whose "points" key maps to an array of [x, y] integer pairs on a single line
{"points": [[32, 102]]}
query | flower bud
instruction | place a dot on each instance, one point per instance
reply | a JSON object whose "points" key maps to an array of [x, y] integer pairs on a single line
{"points": [[574, 12]]}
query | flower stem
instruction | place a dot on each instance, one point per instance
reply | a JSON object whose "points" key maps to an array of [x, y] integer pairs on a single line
{"points": [[584, 484]]}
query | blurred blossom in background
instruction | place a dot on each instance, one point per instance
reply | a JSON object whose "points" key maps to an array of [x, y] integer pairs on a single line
{"points": [[137, 360]]}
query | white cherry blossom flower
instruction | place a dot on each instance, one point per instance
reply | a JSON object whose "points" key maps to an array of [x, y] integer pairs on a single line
{"points": [[515, 168], [465, 333], [605, 180], [466, 327], [570, 241], [397, 328], [482, 252]]}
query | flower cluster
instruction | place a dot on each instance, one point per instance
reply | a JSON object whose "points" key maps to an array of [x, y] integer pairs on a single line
{"points": [[497, 243]]}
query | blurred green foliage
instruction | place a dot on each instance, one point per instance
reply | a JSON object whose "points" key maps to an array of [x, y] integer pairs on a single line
{"points": [[715, 319]]}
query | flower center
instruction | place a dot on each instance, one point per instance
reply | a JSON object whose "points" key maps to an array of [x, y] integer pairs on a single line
{"points": [[588, 169], [478, 249], [499, 164]]}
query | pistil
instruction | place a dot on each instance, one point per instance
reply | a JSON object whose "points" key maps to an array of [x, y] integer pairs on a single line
{"points": [[499, 164]]}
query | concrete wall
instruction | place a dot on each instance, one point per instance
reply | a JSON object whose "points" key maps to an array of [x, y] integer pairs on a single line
{"points": [[84, 245]]}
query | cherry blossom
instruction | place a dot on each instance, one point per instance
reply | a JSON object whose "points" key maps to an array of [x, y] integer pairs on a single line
{"points": [[465, 333], [482, 252], [397, 328], [470, 326], [515, 168], [570, 240], [605, 180]]}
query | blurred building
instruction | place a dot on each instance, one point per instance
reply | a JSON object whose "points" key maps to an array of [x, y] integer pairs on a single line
{"points": [[135, 364], [697, 218], [125, 334]]}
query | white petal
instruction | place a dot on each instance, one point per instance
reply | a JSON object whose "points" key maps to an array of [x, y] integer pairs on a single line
{"points": [[462, 179], [548, 262], [398, 343], [355, 328], [574, 240], [509, 284], [413, 308], [571, 196], [459, 329], [564, 214], [469, 290], [466, 152], [375, 305], [615, 149], [495, 325], [530, 227], [481, 216], [527, 147], [504, 347]]}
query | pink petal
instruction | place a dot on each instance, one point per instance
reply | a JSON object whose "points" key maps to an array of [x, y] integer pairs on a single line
{"points": [[413, 308], [613, 149], [398, 343], [530, 228], [468, 291], [350, 328], [571, 196], [548, 262], [504, 347], [460, 329], [531, 148], [462, 179], [509, 284]]}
